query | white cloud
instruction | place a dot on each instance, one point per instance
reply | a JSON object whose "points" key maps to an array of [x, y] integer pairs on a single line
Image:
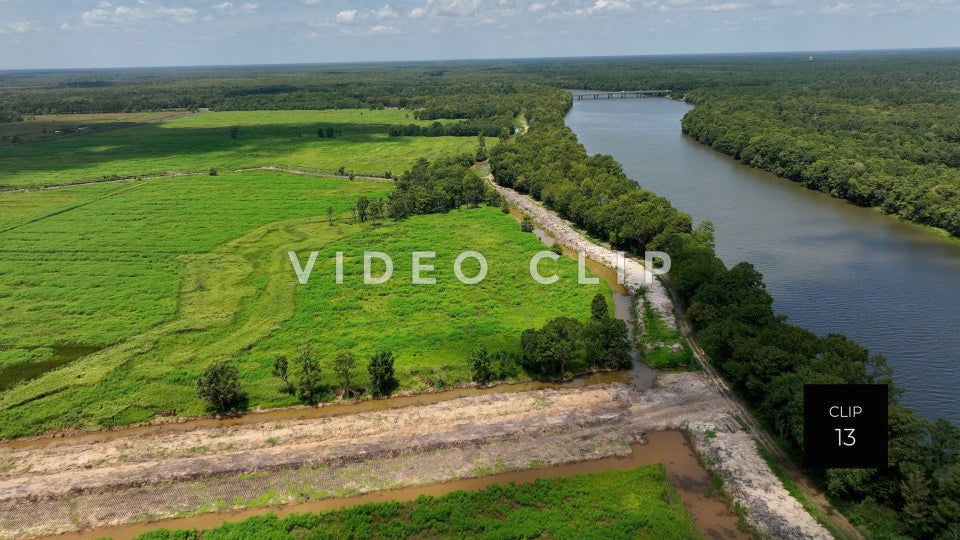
{"points": [[347, 15], [383, 29], [366, 22], [456, 8], [357, 16], [122, 16], [838, 8], [417, 13], [386, 12], [16, 27], [536, 6], [725, 6], [601, 7], [228, 8]]}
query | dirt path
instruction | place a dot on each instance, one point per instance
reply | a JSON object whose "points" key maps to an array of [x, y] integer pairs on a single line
{"points": [[635, 278], [811, 492], [303, 171], [87, 182]]}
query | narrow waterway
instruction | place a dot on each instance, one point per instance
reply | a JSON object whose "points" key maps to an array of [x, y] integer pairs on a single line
{"points": [[830, 266]]}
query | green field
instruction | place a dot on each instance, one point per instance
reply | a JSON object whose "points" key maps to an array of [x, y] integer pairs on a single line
{"points": [[202, 141], [639, 503], [168, 275], [52, 126]]}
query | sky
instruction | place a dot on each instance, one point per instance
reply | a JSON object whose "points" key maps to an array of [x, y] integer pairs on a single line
{"points": [[126, 33]]}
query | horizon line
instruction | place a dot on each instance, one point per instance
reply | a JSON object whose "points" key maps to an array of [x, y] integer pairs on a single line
{"points": [[491, 59]]}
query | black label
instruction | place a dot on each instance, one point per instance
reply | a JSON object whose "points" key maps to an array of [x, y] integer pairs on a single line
{"points": [[845, 426]]}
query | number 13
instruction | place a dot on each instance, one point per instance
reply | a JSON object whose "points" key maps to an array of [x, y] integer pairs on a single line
{"points": [[845, 437]]}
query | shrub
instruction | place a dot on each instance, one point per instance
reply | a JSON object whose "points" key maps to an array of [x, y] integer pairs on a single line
{"points": [[219, 386], [308, 381], [382, 378], [526, 224]]}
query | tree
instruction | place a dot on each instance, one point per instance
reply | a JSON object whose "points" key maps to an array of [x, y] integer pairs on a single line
{"points": [[915, 490], [281, 370], [330, 215], [342, 366], [382, 378], [234, 132], [363, 204], [526, 224], [308, 378], [504, 206], [481, 363], [607, 343], [482, 154], [946, 508], [598, 308], [320, 132], [214, 171], [555, 347], [219, 386], [473, 188], [375, 210]]}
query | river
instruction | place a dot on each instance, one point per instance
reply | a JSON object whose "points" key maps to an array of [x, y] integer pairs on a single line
{"points": [[830, 266]]}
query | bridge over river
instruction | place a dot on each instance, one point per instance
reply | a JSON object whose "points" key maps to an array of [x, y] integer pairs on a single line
{"points": [[623, 94]]}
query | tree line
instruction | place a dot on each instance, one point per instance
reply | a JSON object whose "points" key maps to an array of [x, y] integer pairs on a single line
{"points": [[220, 388], [489, 128]]}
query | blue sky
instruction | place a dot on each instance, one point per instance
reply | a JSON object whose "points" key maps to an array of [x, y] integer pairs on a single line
{"points": [[106, 33]]}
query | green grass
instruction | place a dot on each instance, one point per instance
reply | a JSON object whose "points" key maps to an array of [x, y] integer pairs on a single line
{"points": [[19, 208], [171, 274], [874, 520], [196, 143], [51, 126], [639, 503], [663, 347]]}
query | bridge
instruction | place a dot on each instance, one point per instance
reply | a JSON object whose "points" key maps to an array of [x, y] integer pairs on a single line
{"points": [[623, 94]]}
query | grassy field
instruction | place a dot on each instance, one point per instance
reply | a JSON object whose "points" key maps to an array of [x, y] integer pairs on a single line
{"points": [[639, 503], [51, 126], [202, 141], [167, 275]]}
